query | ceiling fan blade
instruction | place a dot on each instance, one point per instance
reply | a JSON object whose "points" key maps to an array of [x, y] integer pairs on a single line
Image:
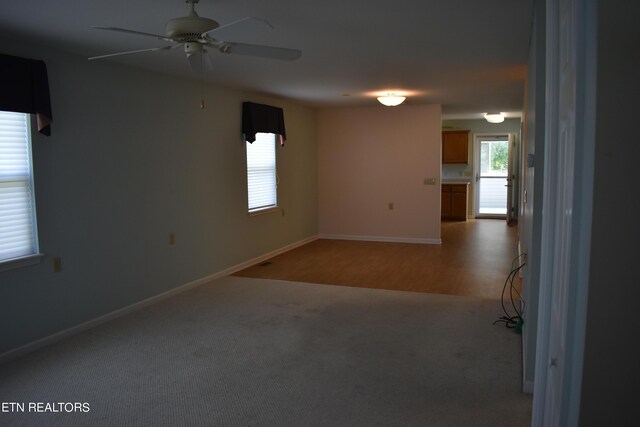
{"points": [[261, 51], [140, 33], [245, 27], [153, 49]]}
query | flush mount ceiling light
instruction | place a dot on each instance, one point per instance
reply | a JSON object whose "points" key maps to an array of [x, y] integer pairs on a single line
{"points": [[494, 117], [391, 99]]}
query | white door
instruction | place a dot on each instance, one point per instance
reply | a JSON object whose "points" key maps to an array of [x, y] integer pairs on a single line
{"points": [[492, 175]]}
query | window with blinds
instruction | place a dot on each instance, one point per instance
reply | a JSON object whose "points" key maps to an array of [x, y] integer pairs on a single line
{"points": [[18, 236], [261, 172]]}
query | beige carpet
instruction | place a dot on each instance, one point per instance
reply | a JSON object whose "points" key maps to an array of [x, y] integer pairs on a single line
{"points": [[254, 352]]}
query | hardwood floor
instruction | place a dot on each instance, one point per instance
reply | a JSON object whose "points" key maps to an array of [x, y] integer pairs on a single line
{"points": [[474, 260]]}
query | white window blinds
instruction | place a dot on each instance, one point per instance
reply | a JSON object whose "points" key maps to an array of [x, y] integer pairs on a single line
{"points": [[17, 206], [261, 172]]}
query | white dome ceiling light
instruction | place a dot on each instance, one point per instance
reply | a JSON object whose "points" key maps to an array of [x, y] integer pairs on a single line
{"points": [[391, 99], [494, 117]]}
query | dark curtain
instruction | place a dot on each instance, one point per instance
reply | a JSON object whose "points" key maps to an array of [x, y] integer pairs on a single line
{"points": [[260, 118], [24, 88]]}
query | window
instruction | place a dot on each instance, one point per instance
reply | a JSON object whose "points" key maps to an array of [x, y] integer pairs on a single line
{"points": [[18, 234], [261, 172]]}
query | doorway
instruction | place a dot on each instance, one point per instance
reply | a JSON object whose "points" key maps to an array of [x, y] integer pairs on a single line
{"points": [[491, 164]]}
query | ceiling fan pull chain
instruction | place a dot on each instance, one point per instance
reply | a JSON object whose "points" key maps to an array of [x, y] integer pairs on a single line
{"points": [[202, 82]]}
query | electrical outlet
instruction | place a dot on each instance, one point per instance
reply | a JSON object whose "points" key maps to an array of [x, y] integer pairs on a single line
{"points": [[390, 206], [172, 238], [57, 264], [430, 181]]}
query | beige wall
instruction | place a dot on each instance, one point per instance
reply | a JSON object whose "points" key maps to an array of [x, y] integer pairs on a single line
{"points": [[372, 156]]}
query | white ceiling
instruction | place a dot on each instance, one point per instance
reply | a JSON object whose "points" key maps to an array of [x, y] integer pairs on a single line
{"points": [[468, 55]]}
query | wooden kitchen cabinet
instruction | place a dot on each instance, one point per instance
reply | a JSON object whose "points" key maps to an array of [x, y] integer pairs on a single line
{"points": [[454, 201], [446, 201], [455, 146]]}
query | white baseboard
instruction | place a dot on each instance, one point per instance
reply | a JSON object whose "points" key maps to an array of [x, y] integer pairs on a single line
{"points": [[264, 257], [382, 239], [32, 346]]}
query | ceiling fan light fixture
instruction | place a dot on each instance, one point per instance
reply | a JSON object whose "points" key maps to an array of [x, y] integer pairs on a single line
{"points": [[195, 33], [494, 117], [391, 99]]}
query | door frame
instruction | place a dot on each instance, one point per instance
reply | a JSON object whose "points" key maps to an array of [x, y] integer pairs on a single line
{"points": [[566, 229], [476, 171], [512, 180]]}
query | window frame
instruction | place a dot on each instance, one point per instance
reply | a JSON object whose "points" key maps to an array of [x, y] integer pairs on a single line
{"points": [[274, 207], [34, 257]]}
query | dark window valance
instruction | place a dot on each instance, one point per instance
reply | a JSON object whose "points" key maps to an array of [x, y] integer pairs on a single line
{"points": [[24, 88], [260, 118]]}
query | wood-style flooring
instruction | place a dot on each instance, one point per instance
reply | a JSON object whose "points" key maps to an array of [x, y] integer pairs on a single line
{"points": [[474, 259]]}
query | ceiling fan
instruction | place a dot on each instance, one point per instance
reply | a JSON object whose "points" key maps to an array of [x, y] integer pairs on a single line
{"points": [[196, 33]]}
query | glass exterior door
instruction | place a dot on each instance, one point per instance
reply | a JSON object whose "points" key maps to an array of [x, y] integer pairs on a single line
{"points": [[492, 177]]}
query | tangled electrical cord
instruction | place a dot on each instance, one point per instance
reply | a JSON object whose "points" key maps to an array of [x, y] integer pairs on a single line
{"points": [[512, 321]]}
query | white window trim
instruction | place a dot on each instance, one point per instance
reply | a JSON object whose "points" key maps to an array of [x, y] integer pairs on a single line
{"points": [[271, 207], [35, 257], [264, 211], [25, 261]]}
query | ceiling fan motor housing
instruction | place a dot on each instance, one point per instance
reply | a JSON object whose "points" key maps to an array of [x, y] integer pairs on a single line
{"points": [[191, 48], [189, 28]]}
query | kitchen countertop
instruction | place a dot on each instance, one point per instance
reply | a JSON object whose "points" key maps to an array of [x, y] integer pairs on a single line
{"points": [[454, 182]]}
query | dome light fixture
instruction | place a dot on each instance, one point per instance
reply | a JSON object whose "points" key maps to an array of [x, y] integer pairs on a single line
{"points": [[391, 99], [494, 117]]}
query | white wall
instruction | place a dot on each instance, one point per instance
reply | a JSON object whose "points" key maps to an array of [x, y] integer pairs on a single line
{"points": [[132, 158], [372, 156]]}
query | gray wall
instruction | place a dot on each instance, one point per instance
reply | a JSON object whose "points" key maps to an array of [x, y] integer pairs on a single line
{"points": [[611, 369], [132, 158]]}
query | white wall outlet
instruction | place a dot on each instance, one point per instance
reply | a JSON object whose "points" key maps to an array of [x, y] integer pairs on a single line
{"points": [[430, 181], [57, 264]]}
